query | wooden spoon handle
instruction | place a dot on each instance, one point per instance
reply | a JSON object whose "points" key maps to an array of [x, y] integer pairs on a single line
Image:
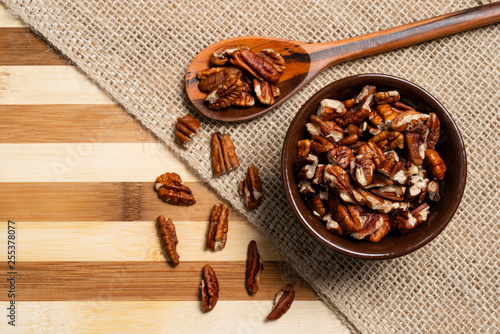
{"points": [[324, 55]]}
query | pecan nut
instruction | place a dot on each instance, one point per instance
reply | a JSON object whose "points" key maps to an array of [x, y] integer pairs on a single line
{"points": [[407, 119], [251, 188], [341, 155], [254, 268], [168, 237], [258, 64], [209, 288], [282, 302], [303, 147], [274, 58], [186, 128], [219, 225], [306, 166], [224, 157], [244, 100], [220, 56], [265, 91], [226, 93], [171, 189], [330, 109], [436, 165], [320, 145], [387, 97], [212, 78], [434, 126]]}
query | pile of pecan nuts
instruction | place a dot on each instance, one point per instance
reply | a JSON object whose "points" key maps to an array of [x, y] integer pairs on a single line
{"points": [[237, 76], [172, 190], [368, 165]]}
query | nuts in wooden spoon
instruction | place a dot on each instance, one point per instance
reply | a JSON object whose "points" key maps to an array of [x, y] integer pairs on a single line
{"points": [[238, 77]]}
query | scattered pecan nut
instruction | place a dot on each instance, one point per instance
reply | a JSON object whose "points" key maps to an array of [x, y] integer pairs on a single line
{"points": [[224, 158], [282, 302], [168, 237], [171, 189], [186, 128], [251, 188], [219, 224], [209, 288], [254, 268]]}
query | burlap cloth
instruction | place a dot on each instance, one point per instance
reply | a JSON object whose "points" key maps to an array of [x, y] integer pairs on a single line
{"points": [[138, 52]]}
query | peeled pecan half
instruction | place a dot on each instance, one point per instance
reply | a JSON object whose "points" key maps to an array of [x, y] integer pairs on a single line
{"points": [[282, 302], [219, 224], [265, 91], [225, 94], [274, 58], [224, 158], [171, 189], [209, 288], [244, 100], [186, 128], [251, 188], [434, 126], [387, 97], [265, 69], [435, 164], [168, 238], [254, 268], [216, 76], [221, 55]]}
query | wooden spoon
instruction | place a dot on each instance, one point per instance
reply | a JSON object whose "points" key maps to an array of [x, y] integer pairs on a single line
{"points": [[304, 61]]}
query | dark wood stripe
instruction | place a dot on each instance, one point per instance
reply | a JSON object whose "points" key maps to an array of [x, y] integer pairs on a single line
{"points": [[69, 124], [20, 46], [59, 281], [97, 201]]}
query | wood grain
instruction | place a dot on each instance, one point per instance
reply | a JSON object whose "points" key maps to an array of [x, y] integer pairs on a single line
{"points": [[7, 20], [89, 161], [52, 124], [173, 317], [48, 85], [20, 46], [97, 201], [132, 241], [117, 280]]}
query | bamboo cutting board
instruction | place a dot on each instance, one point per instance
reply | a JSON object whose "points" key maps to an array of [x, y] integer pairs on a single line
{"points": [[76, 176]]}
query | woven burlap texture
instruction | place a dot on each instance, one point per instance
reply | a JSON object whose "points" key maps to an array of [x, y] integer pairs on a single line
{"points": [[138, 52]]}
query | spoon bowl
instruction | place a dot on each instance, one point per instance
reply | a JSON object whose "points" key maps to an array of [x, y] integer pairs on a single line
{"points": [[304, 61], [297, 67]]}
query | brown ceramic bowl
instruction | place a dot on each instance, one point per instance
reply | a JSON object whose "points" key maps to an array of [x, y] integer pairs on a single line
{"points": [[450, 147]]}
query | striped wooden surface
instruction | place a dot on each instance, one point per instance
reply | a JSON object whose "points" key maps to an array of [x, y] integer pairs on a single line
{"points": [[76, 175]]}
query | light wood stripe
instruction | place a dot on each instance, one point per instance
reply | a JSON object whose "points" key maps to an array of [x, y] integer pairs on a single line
{"points": [[97, 201], [240, 317], [48, 85], [7, 20], [91, 161], [131, 241], [20, 46], [45, 281], [69, 124]]}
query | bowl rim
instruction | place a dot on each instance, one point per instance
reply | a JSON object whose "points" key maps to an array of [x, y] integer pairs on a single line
{"points": [[287, 169]]}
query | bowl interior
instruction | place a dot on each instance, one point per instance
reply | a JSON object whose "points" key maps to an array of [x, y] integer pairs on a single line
{"points": [[450, 146]]}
